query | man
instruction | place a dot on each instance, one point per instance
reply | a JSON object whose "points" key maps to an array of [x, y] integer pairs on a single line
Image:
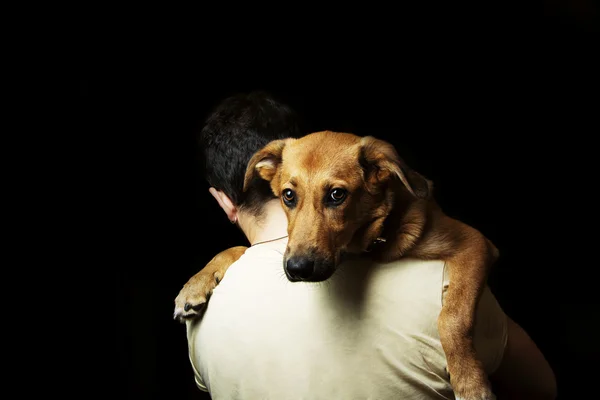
{"points": [[370, 331]]}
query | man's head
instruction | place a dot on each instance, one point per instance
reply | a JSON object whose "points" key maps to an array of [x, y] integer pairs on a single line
{"points": [[238, 127]]}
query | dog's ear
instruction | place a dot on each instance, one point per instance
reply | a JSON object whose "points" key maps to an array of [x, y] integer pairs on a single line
{"points": [[381, 162], [265, 162]]}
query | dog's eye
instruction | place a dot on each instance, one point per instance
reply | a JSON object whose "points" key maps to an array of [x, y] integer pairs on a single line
{"points": [[288, 196], [336, 196]]}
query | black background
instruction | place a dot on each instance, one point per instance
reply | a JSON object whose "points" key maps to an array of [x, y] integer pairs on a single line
{"points": [[505, 128]]}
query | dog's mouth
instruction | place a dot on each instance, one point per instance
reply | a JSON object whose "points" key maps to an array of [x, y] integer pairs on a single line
{"points": [[304, 269]]}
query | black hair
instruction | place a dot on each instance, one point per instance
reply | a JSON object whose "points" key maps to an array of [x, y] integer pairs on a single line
{"points": [[237, 128]]}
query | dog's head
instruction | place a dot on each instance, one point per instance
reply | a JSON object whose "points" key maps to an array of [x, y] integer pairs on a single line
{"points": [[336, 189]]}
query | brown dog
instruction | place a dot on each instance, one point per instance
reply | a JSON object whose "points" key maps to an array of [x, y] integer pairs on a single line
{"points": [[348, 194]]}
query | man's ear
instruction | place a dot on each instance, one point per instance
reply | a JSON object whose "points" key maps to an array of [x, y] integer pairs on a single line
{"points": [[381, 162], [225, 203], [265, 162]]}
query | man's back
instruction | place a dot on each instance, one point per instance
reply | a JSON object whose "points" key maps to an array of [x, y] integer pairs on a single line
{"points": [[369, 332]]}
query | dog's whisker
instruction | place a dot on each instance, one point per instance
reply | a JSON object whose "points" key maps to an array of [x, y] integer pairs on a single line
{"points": [[282, 275]]}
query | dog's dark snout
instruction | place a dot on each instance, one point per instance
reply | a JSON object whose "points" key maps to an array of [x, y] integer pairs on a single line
{"points": [[299, 268]]}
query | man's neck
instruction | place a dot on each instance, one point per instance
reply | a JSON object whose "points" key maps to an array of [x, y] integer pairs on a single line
{"points": [[273, 224]]}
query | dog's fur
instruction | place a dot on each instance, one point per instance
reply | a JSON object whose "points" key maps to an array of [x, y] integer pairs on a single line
{"points": [[348, 194]]}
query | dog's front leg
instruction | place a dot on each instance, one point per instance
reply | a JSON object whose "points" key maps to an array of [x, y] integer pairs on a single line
{"points": [[468, 270], [197, 290]]}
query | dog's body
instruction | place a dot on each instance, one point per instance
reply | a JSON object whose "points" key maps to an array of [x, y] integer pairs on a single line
{"points": [[344, 194]]}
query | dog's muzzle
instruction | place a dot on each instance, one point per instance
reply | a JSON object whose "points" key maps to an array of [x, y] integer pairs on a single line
{"points": [[299, 268], [307, 269]]}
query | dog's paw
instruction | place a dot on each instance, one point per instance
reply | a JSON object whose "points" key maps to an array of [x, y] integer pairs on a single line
{"points": [[474, 390], [195, 293], [471, 383], [489, 396], [192, 298]]}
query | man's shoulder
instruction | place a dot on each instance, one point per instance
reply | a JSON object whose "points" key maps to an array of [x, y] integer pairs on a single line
{"points": [[401, 280], [405, 265], [411, 262], [260, 266]]}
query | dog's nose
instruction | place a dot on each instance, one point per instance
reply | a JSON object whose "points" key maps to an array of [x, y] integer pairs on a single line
{"points": [[299, 268]]}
